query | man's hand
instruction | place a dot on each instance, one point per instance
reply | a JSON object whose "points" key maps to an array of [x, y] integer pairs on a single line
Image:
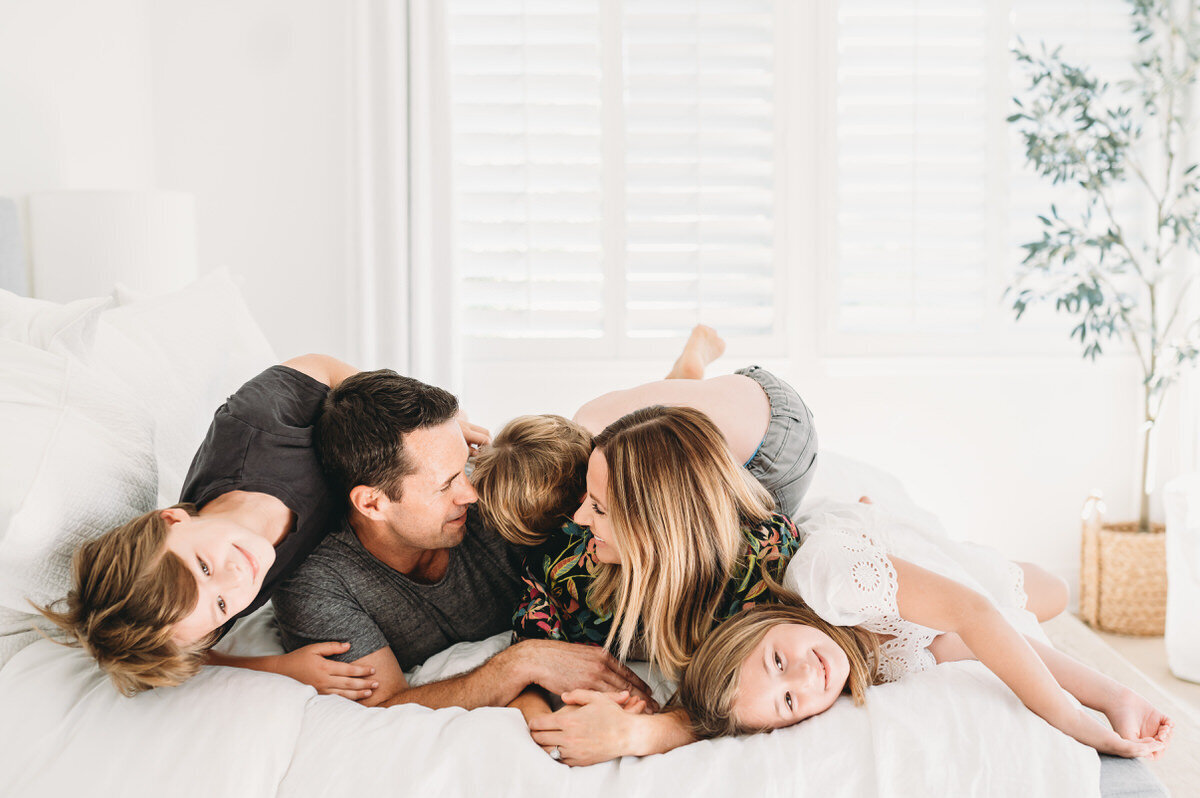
{"points": [[474, 434], [311, 666], [559, 667]]}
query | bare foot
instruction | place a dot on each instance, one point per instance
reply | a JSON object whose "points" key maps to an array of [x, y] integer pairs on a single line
{"points": [[703, 347]]}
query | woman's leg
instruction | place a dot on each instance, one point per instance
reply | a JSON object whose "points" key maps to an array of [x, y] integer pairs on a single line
{"points": [[735, 403], [703, 347], [1047, 595]]}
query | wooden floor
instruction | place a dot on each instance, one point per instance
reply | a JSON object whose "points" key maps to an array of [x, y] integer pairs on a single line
{"points": [[1141, 664]]}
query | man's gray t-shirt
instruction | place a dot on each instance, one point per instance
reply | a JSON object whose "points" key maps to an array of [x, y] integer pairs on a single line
{"points": [[343, 593]]}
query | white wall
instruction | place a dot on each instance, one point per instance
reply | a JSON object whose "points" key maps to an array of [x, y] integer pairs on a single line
{"points": [[246, 105], [75, 96], [250, 115]]}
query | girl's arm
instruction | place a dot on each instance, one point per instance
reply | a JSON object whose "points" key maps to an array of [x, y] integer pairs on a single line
{"points": [[1131, 716], [937, 602]]}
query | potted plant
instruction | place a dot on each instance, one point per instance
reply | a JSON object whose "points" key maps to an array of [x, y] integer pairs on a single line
{"points": [[1122, 280]]}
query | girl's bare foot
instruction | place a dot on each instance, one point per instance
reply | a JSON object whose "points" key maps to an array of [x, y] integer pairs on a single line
{"points": [[703, 347]]}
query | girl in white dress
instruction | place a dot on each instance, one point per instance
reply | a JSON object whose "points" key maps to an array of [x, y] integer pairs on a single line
{"points": [[889, 598]]}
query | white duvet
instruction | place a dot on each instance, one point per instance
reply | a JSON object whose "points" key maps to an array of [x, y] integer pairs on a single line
{"points": [[952, 731]]}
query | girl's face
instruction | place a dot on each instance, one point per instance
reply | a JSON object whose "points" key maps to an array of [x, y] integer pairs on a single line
{"points": [[593, 513], [794, 672]]}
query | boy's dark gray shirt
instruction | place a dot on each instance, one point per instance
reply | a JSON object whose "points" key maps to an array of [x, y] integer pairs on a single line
{"points": [[261, 440], [343, 593]]}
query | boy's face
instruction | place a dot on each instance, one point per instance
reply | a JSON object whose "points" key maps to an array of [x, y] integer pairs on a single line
{"points": [[229, 563], [593, 512]]}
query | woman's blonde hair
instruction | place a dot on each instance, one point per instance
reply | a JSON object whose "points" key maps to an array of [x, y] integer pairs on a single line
{"points": [[532, 477], [129, 591], [677, 502], [710, 683]]}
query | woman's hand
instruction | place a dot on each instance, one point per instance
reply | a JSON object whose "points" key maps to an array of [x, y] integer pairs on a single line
{"points": [[311, 666], [593, 727], [1085, 728], [596, 727], [1133, 718]]}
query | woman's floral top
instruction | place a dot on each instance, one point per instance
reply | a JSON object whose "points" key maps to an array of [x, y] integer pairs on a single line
{"points": [[559, 572]]}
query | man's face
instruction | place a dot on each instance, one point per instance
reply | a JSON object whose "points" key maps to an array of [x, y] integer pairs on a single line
{"points": [[432, 511]]}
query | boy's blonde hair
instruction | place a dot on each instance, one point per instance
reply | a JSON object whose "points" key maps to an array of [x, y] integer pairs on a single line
{"points": [[677, 502], [129, 591], [532, 477], [710, 683]]}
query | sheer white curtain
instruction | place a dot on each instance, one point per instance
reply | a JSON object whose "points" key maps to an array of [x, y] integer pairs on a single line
{"points": [[403, 312]]}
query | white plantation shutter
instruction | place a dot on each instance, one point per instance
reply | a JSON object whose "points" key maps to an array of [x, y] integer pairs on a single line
{"points": [[699, 157], [912, 158], [932, 195], [614, 168], [528, 176]]}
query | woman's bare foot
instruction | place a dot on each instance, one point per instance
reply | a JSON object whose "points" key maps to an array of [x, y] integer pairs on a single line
{"points": [[703, 347]]}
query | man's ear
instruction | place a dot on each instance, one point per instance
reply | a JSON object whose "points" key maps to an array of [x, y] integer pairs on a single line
{"points": [[368, 501]]}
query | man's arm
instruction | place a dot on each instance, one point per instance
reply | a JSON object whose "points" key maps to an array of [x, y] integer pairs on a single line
{"points": [[551, 664]]}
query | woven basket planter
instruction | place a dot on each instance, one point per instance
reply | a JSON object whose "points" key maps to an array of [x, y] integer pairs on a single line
{"points": [[1123, 579]]}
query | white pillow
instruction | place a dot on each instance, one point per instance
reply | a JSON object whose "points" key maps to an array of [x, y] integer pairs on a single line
{"points": [[78, 460], [66, 329], [183, 354]]}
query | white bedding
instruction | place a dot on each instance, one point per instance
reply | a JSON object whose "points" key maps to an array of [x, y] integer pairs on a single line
{"points": [[955, 730], [64, 731]]}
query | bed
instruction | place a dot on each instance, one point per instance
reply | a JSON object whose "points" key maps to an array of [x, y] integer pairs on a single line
{"points": [[102, 403]]}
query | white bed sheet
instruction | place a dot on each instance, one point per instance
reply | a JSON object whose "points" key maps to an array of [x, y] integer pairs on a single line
{"points": [[955, 730]]}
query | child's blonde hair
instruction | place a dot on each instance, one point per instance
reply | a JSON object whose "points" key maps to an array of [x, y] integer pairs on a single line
{"points": [[710, 683], [532, 477], [677, 502], [129, 591]]}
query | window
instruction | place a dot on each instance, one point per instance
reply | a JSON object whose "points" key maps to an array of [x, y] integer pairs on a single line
{"points": [[620, 170], [932, 196], [614, 172]]}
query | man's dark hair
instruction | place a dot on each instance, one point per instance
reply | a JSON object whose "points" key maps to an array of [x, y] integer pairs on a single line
{"points": [[360, 433]]}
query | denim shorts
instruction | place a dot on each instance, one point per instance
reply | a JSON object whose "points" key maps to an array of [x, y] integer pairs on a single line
{"points": [[786, 460]]}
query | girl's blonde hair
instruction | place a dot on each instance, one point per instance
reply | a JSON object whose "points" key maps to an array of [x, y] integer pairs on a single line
{"points": [[710, 683], [532, 477], [677, 502], [129, 591]]}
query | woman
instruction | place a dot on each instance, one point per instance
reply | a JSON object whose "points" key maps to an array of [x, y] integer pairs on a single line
{"points": [[681, 509]]}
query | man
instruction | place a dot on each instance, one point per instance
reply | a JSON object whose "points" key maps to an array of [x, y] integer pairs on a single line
{"points": [[412, 570]]}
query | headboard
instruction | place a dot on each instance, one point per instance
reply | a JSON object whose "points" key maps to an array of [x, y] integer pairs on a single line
{"points": [[14, 273]]}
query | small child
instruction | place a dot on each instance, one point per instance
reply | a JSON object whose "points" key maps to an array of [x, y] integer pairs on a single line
{"points": [[876, 617], [532, 477]]}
